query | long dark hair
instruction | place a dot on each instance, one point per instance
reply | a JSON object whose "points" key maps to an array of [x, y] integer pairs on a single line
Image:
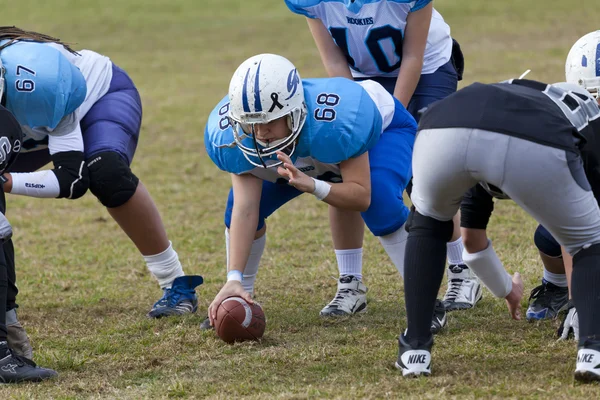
{"points": [[14, 34]]}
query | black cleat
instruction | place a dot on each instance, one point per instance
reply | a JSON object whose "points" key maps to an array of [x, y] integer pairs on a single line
{"points": [[547, 301], [15, 369], [439, 320]]}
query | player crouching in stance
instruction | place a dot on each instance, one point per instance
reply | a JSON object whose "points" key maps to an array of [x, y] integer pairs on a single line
{"points": [[14, 367], [352, 140], [517, 139], [552, 296], [83, 113]]}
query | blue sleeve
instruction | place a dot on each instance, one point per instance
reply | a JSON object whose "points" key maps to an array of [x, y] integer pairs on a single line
{"points": [[419, 4], [302, 7], [218, 139], [42, 86], [356, 128]]}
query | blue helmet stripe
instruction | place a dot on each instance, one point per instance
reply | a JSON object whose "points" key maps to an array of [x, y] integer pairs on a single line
{"points": [[245, 93], [257, 104], [598, 60]]}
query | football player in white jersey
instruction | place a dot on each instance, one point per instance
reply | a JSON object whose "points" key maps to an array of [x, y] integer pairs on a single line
{"points": [[83, 113], [552, 296], [406, 46]]}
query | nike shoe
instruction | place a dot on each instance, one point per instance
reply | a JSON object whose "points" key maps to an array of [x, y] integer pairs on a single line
{"points": [[464, 289], [179, 299], [15, 369], [17, 339], [547, 301], [351, 298], [588, 362], [414, 361], [439, 319]]}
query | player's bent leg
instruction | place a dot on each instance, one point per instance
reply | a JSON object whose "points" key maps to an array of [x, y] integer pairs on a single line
{"points": [[552, 296], [132, 207], [585, 281], [347, 231]]}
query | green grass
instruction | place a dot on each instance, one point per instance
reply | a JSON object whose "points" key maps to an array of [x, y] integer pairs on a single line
{"points": [[84, 287]]}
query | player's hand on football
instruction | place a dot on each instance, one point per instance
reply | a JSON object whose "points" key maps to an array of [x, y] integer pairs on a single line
{"points": [[294, 176], [513, 300], [230, 289]]}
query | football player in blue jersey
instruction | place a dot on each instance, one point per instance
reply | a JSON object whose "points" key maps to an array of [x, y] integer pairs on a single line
{"points": [[83, 113], [582, 68], [347, 143], [406, 46], [14, 365]]}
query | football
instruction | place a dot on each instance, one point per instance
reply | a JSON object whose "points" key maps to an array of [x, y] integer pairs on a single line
{"points": [[238, 321]]}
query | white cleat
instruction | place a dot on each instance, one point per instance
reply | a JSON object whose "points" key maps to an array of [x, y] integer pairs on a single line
{"points": [[588, 365], [351, 298], [464, 289], [414, 362]]}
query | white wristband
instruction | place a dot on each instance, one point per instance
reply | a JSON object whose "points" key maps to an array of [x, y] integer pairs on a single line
{"points": [[43, 184], [322, 189], [235, 275]]}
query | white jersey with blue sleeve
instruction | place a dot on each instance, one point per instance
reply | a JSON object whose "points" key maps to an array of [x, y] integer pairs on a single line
{"points": [[49, 90], [370, 33], [345, 119]]}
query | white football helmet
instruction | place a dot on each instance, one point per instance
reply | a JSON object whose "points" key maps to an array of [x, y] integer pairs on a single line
{"points": [[264, 88], [583, 63]]}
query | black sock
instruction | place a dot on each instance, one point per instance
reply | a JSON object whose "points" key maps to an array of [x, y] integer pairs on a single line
{"points": [[424, 264], [585, 287], [3, 294]]}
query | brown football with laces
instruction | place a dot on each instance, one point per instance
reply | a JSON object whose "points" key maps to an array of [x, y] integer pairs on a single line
{"points": [[238, 321]]}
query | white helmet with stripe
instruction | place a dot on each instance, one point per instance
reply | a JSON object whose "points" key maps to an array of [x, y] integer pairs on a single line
{"points": [[264, 88], [583, 63]]}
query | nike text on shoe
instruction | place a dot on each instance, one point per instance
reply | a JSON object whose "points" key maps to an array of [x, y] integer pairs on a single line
{"points": [[439, 319], [179, 299], [15, 369], [588, 362], [351, 298], [547, 301], [414, 361], [464, 289]]}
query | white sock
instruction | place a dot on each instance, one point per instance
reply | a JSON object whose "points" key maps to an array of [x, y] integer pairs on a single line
{"points": [[395, 246], [559, 280], [455, 250], [165, 266], [350, 262], [251, 268]]}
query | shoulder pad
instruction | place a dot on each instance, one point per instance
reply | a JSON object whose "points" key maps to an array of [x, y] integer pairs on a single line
{"points": [[219, 142], [42, 86], [300, 6]]}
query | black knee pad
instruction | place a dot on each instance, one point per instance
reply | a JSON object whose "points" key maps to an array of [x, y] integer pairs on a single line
{"points": [[420, 225], [587, 257], [546, 243], [111, 179]]}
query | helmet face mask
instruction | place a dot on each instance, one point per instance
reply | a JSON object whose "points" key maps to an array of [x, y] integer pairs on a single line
{"points": [[263, 89], [583, 63]]}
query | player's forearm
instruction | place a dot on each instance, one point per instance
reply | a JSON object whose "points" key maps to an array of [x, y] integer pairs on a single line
{"points": [[349, 196], [40, 184], [244, 220], [408, 78], [336, 66]]}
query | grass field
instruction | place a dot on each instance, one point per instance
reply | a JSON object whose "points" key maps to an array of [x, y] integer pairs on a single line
{"points": [[85, 289]]}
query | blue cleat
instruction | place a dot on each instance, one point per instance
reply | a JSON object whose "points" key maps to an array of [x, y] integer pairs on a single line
{"points": [[180, 299]]}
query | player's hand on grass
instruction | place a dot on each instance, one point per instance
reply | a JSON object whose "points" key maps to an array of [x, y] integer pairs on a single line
{"points": [[569, 325], [230, 289], [295, 177], [513, 300]]}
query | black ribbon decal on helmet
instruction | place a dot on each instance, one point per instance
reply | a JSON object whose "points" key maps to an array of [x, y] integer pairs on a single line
{"points": [[276, 103]]}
